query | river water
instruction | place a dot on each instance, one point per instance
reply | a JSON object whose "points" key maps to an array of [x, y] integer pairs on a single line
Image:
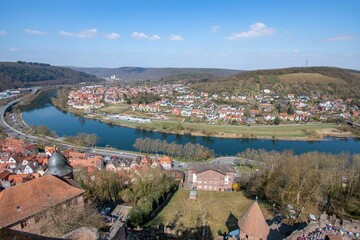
{"points": [[42, 112]]}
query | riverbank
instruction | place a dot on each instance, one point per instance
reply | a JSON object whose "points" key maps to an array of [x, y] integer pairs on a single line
{"points": [[303, 132]]}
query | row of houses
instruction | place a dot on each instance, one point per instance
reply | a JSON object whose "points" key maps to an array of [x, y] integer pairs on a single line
{"points": [[137, 163], [21, 161]]}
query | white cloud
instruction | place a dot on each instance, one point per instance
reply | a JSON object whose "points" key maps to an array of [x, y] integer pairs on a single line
{"points": [[295, 50], [154, 37], [14, 49], [66, 34], [113, 36], [215, 29], [256, 30], [34, 32], [2, 32], [139, 35], [174, 37], [340, 38], [88, 33]]}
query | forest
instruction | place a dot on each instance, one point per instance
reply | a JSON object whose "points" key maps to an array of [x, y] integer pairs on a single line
{"points": [[311, 182], [336, 82], [24, 74]]}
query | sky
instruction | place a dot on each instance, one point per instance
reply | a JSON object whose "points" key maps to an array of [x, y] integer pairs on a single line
{"points": [[235, 34]]}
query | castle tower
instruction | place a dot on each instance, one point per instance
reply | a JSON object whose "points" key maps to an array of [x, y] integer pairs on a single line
{"points": [[59, 166], [253, 225]]}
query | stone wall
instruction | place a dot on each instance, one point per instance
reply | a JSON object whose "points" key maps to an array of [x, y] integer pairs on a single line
{"points": [[323, 222]]}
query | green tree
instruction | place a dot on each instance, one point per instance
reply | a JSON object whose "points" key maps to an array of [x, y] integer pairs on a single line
{"points": [[290, 110], [277, 121]]}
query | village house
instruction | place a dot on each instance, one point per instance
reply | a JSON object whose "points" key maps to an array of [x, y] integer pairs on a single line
{"points": [[165, 162]]}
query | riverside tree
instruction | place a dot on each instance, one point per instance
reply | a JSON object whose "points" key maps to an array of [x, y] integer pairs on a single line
{"points": [[189, 151]]}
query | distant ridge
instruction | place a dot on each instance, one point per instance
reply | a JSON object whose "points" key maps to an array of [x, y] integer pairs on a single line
{"points": [[25, 74], [142, 74], [298, 80]]}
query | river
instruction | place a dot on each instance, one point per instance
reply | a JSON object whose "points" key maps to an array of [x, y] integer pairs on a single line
{"points": [[42, 112]]}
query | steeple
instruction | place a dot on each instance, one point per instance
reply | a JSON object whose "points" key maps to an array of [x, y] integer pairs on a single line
{"points": [[253, 223]]}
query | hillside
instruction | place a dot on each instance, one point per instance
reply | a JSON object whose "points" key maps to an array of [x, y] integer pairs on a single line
{"points": [[22, 74], [332, 81], [142, 74]]}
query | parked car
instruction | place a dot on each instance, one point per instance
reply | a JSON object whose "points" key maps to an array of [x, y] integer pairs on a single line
{"points": [[277, 219], [105, 211]]}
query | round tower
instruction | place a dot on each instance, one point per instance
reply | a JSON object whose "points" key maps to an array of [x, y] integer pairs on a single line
{"points": [[59, 166]]}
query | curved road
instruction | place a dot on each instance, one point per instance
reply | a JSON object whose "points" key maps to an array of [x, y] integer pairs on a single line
{"points": [[12, 132]]}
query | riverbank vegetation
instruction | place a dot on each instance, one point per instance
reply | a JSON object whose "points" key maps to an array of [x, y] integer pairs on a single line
{"points": [[83, 139], [311, 182], [43, 130], [60, 100], [187, 152]]}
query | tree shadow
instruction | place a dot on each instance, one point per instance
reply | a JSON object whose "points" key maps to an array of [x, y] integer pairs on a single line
{"points": [[283, 231], [232, 222]]}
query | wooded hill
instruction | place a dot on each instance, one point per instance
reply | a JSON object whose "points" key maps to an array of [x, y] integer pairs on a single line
{"points": [[24, 74], [333, 81], [154, 74]]}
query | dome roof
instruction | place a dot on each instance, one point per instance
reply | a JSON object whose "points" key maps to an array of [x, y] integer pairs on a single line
{"points": [[58, 165]]}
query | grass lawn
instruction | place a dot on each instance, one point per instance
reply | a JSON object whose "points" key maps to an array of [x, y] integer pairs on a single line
{"points": [[285, 131], [116, 109], [221, 210], [281, 131]]}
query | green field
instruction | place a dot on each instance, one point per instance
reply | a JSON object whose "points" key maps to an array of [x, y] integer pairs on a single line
{"points": [[220, 209], [286, 131], [116, 109]]}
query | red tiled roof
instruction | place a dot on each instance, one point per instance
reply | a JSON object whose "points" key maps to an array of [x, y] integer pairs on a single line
{"points": [[165, 159], [253, 224], [10, 234], [27, 199], [4, 174]]}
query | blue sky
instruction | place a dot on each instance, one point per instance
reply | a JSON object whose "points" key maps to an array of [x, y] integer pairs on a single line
{"points": [[187, 33]]}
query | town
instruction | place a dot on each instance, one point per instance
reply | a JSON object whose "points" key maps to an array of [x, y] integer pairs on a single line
{"points": [[177, 100], [179, 120]]}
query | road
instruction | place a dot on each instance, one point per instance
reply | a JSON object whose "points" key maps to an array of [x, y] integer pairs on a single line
{"points": [[12, 132]]}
